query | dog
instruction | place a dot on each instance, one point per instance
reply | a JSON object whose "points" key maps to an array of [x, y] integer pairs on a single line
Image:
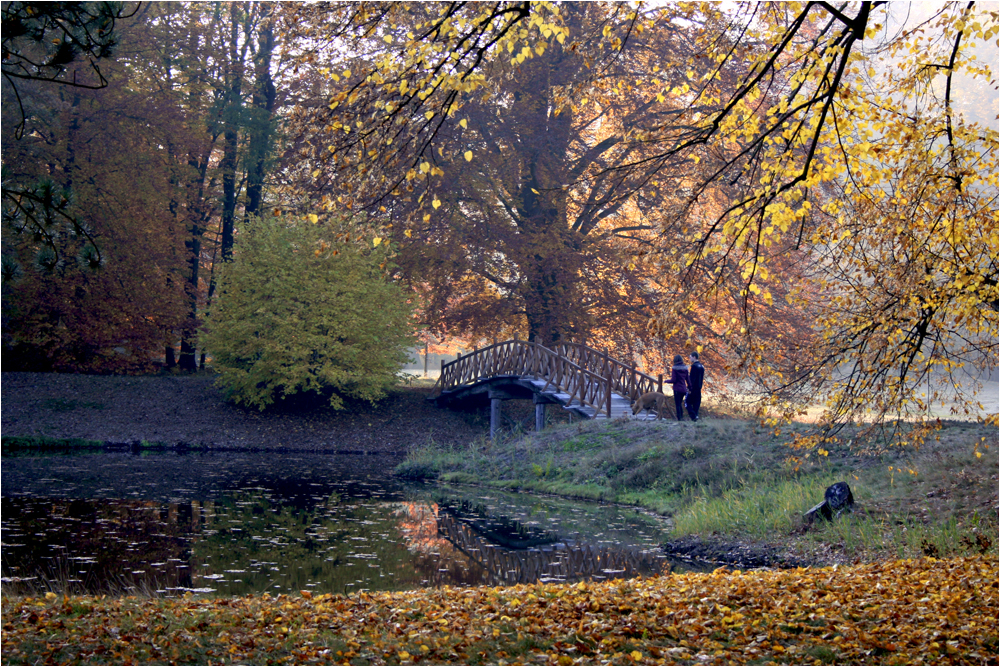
{"points": [[649, 401]]}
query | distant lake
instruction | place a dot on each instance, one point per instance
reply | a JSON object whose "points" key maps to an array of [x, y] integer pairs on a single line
{"points": [[224, 523]]}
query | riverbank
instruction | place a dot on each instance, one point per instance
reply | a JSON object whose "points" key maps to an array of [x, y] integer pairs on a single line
{"points": [[926, 611], [188, 412], [737, 492]]}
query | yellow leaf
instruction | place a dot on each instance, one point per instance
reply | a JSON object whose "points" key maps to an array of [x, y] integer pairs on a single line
{"points": [[376, 241], [464, 123], [468, 156], [636, 655], [436, 203], [429, 115], [407, 233], [425, 167], [427, 217], [313, 218]]}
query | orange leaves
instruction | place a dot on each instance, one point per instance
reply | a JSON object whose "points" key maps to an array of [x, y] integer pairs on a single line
{"points": [[926, 611]]}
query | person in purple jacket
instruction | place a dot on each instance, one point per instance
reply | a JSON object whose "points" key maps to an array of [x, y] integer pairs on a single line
{"points": [[681, 380]]}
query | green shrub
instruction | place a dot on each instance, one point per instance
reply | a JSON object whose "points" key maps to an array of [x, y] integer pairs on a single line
{"points": [[301, 310]]}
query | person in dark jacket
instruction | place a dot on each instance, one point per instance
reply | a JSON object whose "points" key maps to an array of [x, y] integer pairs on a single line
{"points": [[680, 379], [697, 379]]}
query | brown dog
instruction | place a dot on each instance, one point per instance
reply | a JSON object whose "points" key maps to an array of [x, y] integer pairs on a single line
{"points": [[650, 400]]}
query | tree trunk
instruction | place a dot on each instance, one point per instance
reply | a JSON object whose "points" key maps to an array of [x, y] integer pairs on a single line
{"points": [[199, 213], [231, 120], [188, 362], [261, 129]]}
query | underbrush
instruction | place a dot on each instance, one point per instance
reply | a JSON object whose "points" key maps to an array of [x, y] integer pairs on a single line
{"points": [[733, 478]]}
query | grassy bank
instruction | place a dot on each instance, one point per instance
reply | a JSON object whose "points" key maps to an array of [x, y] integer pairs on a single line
{"points": [[731, 478], [900, 612]]}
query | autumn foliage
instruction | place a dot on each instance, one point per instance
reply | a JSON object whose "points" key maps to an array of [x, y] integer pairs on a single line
{"points": [[302, 308], [925, 611]]}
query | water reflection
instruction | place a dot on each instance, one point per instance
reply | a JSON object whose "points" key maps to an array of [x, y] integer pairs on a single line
{"points": [[554, 562], [236, 524]]}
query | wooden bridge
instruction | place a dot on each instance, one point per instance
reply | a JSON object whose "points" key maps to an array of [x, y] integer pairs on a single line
{"points": [[586, 381]]}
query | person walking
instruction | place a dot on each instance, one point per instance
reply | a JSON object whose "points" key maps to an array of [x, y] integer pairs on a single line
{"points": [[696, 380], [680, 380]]}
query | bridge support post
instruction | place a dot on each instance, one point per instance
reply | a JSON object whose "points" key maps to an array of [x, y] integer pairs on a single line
{"points": [[539, 416], [494, 417]]}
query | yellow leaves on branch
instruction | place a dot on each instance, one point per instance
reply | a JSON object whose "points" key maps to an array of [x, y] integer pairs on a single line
{"points": [[431, 65], [896, 206], [916, 612]]}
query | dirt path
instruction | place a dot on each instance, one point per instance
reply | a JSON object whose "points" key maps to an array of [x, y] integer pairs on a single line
{"points": [[190, 410]]}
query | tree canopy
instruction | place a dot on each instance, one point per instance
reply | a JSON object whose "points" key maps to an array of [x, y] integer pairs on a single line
{"points": [[854, 143], [300, 310], [806, 193], [829, 142]]}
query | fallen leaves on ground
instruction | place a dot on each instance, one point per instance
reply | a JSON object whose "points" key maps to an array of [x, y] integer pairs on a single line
{"points": [[904, 612]]}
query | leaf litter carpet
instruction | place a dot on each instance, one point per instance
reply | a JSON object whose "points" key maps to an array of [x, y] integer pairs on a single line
{"points": [[925, 611]]}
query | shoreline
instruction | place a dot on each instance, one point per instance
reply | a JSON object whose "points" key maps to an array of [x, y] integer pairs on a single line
{"points": [[190, 411]]}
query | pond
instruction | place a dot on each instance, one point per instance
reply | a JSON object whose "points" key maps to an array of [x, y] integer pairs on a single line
{"points": [[225, 523]]}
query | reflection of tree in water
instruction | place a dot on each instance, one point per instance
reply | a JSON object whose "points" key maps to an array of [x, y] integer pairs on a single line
{"points": [[258, 539], [437, 560], [341, 545], [95, 546]]}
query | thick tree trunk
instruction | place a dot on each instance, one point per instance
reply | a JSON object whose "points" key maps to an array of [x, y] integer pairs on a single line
{"points": [[187, 361], [198, 211], [232, 121], [261, 125]]}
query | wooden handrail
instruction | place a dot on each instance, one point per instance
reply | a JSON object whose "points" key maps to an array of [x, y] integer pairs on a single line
{"points": [[589, 377], [626, 380]]}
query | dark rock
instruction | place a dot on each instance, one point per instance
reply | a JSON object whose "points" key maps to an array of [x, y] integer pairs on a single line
{"points": [[839, 497], [837, 500]]}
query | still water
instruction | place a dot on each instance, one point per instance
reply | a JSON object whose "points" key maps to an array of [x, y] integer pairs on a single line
{"points": [[227, 523]]}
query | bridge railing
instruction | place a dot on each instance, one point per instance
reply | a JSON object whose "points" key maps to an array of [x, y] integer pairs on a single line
{"points": [[559, 562], [521, 358], [626, 380]]}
